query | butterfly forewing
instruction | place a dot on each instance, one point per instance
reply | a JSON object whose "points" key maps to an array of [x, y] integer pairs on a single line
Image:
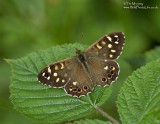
{"points": [[108, 47], [69, 74], [57, 74]]}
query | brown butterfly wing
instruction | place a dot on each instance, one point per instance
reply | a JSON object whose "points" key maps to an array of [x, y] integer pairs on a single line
{"points": [[103, 72], [101, 58], [56, 74], [80, 83], [108, 47], [69, 74]]}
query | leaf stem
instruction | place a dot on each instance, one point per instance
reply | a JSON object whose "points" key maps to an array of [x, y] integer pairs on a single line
{"points": [[105, 114]]}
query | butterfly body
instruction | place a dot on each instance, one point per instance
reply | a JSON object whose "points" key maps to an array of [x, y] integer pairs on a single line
{"points": [[96, 65]]}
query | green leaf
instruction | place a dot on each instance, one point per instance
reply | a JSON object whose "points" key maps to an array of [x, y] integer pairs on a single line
{"points": [[139, 97], [153, 54], [152, 117], [42, 103], [88, 121]]}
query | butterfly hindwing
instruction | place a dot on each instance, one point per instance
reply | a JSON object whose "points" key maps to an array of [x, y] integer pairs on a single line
{"points": [[104, 72], [79, 83]]}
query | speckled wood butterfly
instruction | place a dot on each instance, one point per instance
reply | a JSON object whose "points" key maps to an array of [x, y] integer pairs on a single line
{"points": [[97, 64]]}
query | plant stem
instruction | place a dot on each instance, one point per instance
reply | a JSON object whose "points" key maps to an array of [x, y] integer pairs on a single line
{"points": [[114, 121]]}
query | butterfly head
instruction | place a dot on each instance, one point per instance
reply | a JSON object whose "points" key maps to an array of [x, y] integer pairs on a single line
{"points": [[80, 55], [78, 52]]}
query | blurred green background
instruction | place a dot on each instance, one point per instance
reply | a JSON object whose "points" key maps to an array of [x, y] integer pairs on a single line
{"points": [[31, 25]]}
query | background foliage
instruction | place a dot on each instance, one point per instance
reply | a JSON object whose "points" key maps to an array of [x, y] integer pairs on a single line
{"points": [[32, 25]]}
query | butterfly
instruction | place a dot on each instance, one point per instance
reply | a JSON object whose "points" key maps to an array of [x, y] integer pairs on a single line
{"points": [[95, 65]]}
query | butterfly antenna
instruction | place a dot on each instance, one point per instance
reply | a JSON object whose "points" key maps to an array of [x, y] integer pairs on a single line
{"points": [[77, 41], [81, 37]]}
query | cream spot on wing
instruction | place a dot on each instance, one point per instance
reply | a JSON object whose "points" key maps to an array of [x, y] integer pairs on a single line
{"points": [[57, 80], [116, 36], [124, 36], [116, 42], [49, 69], [103, 43], [110, 55], [106, 68], [113, 51], [105, 60], [63, 81], [98, 46], [113, 68], [109, 38], [55, 74], [109, 45], [62, 65], [48, 78], [75, 83], [70, 89], [56, 67], [43, 73]]}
